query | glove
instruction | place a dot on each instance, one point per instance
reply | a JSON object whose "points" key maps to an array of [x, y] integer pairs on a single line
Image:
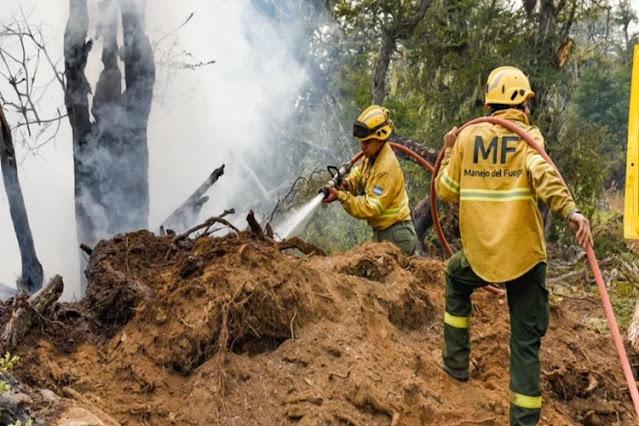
{"points": [[332, 194]]}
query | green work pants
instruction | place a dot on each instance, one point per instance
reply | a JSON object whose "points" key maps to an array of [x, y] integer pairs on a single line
{"points": [[402, 234], [529, 318]]}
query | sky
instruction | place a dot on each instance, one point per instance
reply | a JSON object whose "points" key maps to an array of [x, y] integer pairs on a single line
{"points": [[200, 120]]}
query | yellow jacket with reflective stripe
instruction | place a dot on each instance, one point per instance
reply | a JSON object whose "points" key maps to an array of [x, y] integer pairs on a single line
{"points": [[497, 178], [376, 191]]}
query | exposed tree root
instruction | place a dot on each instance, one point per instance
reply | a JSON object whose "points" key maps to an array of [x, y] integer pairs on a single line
{"points": [[27, 311], [303, 246]]}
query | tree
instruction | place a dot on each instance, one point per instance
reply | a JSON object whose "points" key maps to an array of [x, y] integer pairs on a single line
{"points": [[22, 53], [32, 276], [110, 152], [391, 21]]}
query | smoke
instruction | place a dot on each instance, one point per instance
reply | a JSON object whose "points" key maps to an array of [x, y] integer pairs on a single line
{"points": [[228, 112], [201, 118]]}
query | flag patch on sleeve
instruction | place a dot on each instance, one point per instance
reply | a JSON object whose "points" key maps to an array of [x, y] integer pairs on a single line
{"points": [[377, 190]]}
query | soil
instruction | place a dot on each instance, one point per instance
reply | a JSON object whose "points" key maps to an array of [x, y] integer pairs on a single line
{"points": [[236, 331]]}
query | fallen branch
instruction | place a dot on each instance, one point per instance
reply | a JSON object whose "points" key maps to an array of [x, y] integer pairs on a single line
{"points": [[564, 276], [577, 298], [206, 224], [427, 153], [301, 245], [26, 312]]}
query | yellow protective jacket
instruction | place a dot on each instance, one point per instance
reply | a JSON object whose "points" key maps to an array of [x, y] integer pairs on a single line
{"points": [[497, 178], [376, 191]]}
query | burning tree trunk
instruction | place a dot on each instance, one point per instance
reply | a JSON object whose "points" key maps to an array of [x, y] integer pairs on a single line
{"points": [[32, 275], [110, 154]]}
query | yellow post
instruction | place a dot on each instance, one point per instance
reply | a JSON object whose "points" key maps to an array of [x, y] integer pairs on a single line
{"points": [[631, 208]]}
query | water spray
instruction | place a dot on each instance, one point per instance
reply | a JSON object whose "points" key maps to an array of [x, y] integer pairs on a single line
{"points": [[297, 222]]}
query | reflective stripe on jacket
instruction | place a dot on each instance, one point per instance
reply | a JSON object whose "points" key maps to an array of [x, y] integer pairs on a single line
{"points": [[376, 191], [497, 178]]}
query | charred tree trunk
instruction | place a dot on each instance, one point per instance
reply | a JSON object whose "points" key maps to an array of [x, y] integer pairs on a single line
{"points": [[184, 216], [32, 276], [423, 222], [110, 154], [76, 52]]}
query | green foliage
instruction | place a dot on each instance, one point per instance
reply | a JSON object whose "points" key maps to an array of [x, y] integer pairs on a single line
{"points": [[417, 181], [608, 234], [355, 79], [623, 297], [436, 81], [19, 423], [334, 231], [6, 364], [602, 98], [578, 155]]}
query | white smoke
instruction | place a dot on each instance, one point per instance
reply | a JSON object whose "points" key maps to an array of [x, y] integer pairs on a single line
{"points": [[201, 119]]}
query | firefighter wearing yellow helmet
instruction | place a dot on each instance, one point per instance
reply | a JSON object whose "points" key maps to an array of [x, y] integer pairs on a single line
{"points": [[507, 86], [375, 189], [497, 178]]}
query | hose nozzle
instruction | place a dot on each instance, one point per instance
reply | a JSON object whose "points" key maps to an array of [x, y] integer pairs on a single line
{"points": [[337, 176]]}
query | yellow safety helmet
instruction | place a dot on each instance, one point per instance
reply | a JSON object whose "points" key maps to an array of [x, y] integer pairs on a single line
{"points": [[373, 123], [507, 86]]}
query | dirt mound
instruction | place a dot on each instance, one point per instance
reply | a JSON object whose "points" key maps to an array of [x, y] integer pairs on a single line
{"points": [[238, 331]]}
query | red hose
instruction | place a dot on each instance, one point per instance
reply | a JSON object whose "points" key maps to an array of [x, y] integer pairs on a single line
{"points": [[594, 265]]}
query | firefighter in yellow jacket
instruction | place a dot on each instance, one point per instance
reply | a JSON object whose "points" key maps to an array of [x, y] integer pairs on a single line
{"points": [[497, 178], [375, 190]]}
